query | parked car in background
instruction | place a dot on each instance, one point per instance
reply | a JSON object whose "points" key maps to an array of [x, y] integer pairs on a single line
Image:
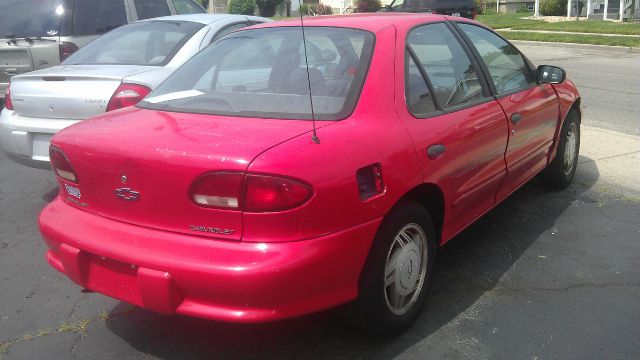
{"points": [[114, 71], [458, 8], [211, 197], [37, 34]]}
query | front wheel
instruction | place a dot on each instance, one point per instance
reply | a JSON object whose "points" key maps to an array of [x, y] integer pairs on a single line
{"points": [[560, 172], [396, 277]]}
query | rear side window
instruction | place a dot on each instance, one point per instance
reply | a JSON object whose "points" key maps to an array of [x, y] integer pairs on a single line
{"points": [[146, 9], [144, 43], [98, 17], [507, 67], [187, 7], [452, 75], [418, 95], [262, 73]]}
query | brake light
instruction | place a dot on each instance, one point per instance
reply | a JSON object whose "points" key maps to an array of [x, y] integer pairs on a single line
{"points": [[250, 193], [270, 193], [127, 95], [61, 165], [7, 98], [66, 49]]}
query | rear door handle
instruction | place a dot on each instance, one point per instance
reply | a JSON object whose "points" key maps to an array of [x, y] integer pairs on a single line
{"points": [[436, 150], [515, 118]]}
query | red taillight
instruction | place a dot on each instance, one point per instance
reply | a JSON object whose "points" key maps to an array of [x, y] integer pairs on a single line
{"points": [[269, 193], [250, 193], [61, 165], [66, 49], [7, 98], [127, 95]]}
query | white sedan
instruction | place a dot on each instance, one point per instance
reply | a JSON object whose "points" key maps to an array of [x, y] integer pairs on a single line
{"points": [[117, 70]]}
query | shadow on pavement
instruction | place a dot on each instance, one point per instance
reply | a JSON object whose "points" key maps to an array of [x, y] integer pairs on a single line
{"points": [[468, 266]]}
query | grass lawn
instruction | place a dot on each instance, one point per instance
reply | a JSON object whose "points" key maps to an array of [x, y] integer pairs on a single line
{"points": [[572, 38], [514, 21]]}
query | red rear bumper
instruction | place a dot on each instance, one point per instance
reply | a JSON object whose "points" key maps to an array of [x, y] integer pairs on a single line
{"points": [[230, 281]]}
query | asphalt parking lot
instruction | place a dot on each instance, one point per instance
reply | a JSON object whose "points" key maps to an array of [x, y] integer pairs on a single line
{"points": [[545, 275]]}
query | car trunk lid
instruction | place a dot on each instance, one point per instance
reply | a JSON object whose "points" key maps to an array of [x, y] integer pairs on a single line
{"points": [[69, 91], [137, 166]]}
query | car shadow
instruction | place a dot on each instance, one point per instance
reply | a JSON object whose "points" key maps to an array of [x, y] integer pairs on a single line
{"points": [[468, 267]]}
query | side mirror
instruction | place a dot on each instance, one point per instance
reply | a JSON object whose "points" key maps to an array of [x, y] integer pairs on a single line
{"points": [[548, 74]]}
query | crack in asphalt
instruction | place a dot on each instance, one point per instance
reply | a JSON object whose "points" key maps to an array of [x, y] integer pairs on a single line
{"points": [[78, 327]]}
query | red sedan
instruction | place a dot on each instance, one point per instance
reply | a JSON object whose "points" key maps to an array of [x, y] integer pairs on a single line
{"points": [[227, 194]]}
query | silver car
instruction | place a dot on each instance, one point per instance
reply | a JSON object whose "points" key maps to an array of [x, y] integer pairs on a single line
{"points": [[37, 34], [117, 70]]}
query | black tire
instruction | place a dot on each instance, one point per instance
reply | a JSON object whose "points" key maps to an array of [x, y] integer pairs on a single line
{"points": [[372, 311], [559, 174]]}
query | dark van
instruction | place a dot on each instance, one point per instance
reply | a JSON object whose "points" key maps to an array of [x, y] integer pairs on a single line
{"points": [[463, 8]]}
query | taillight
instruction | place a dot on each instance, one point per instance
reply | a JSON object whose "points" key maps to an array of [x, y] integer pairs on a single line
{"points": [[61, 165], [66, 49], [7, 98], [218, 190], [250, 193], [270, 193], [127, 95]]}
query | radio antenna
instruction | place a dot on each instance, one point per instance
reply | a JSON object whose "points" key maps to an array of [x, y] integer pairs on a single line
{"points": [[314, 137]]}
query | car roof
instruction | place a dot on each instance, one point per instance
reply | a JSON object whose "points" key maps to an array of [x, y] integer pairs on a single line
{"points": [[373, 22], [204, 19]]}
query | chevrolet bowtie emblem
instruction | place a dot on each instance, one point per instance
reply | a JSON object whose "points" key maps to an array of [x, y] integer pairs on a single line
{"points": [[127, 194]]}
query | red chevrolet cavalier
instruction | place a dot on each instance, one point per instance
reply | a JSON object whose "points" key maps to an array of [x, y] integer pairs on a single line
{"points": [[214, 198]]}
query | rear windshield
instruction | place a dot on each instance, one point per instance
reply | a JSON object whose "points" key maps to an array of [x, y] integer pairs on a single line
{"points": [[32, 18], [262, 73], [146, 43]]}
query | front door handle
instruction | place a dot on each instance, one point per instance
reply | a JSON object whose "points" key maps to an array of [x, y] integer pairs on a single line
{"points": [[436, 150], [515, 118]]}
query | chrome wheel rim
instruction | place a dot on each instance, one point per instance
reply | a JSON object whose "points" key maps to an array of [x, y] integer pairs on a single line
{"points": [[570, 148], [405, 269]]}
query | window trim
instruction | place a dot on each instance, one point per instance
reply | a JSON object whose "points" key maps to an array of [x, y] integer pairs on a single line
{"points": [[486, 90], [484, 67]]}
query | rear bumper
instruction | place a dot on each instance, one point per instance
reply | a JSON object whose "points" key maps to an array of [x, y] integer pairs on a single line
{"points": [[180, 274], [26, 139]]}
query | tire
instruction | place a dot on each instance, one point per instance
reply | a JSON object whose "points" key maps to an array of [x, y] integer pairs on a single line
{"points": [[560, 172], [388, 310]]}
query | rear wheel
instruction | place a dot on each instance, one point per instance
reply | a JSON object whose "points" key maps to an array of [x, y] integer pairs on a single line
{"points": [[560, 172], [398, 271]]}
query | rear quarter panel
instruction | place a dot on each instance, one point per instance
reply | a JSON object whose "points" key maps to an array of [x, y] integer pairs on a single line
{"points": [[372, 134]]}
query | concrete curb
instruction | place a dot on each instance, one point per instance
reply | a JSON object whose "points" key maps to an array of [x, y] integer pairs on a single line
{"points": [[567, 33], [623, 49]]}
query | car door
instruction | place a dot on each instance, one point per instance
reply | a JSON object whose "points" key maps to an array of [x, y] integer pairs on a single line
{"points": [[532, 108], [459, 131]]}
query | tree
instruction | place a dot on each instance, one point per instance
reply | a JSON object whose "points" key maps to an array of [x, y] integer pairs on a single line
{"points": [[244, 7]]}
